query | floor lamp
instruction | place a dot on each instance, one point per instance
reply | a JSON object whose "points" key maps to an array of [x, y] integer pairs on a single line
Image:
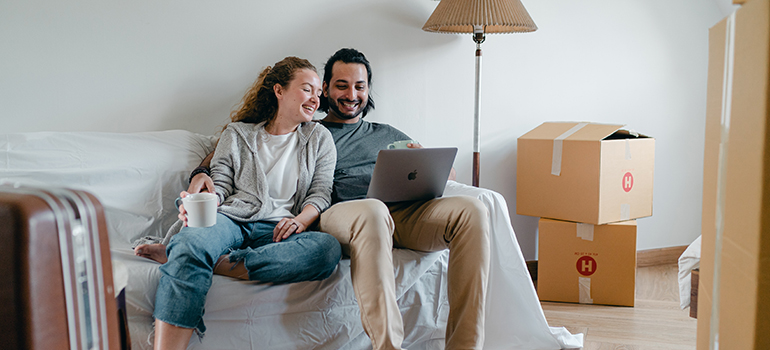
{"points": [[479, 17]]}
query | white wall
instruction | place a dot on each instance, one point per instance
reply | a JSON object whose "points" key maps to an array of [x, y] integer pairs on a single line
{"points": [[142, 65]]}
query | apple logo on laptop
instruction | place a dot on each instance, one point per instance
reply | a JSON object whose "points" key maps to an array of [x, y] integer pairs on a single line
{"points": [[412, 175]]}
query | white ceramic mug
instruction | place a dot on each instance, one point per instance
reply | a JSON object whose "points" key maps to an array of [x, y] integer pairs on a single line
{"points": [[201, 209], [401, 144]]}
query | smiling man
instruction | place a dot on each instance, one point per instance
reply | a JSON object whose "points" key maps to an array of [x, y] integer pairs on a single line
{"points": [[368, 229]]}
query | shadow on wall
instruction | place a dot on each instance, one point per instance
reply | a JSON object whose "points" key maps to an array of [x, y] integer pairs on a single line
{"points": [[498, 156]]}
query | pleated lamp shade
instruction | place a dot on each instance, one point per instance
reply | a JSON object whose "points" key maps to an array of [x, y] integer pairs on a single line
{"points": [[496, 16]]}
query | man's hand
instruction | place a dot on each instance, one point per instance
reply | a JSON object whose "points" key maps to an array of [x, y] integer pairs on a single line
{"points": [[453, 174], [413, 145], [201, 183]]}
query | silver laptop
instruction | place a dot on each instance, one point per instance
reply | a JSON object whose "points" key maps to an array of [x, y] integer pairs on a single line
{"points": [[411, 174]]}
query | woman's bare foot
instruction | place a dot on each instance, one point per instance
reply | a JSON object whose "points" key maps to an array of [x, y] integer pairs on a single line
{"points": [[226, 268], [155, 252]]}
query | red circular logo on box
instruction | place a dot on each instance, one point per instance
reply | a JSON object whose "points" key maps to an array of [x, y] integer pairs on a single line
{"points": [[586, 265], [628, 182]]}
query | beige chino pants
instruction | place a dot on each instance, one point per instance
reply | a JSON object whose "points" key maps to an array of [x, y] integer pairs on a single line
{"points": [[368, 230]]}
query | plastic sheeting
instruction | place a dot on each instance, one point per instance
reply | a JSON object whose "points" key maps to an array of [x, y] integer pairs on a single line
{"points": [[514, 317], [137, 176], [689, 260]]}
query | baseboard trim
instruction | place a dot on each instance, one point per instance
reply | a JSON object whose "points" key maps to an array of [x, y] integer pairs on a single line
{"points": [[644, 258]]}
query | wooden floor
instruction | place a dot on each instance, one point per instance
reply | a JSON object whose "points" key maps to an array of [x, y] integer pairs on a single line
{"points": [[656, 322]]}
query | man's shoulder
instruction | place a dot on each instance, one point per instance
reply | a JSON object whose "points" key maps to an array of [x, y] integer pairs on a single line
{"points": [[381, 126], [315, 129]]}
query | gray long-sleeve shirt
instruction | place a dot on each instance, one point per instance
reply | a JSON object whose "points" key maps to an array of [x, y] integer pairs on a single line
{"points": [[357, 147]]}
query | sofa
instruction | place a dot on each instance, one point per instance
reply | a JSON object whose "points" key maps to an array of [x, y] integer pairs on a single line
{"points": [[137, 176]]}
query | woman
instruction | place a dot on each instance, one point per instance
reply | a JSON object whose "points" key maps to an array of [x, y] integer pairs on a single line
{"points": [[272, 171]]}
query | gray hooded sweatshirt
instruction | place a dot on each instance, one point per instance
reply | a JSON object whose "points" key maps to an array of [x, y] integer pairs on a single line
{"points": [[241, 184]]}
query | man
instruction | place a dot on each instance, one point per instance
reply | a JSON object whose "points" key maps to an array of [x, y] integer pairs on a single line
{"points": [[368, 229]]}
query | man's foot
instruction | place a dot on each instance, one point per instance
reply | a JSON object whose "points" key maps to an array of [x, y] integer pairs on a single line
{"points": [[155, 252]]}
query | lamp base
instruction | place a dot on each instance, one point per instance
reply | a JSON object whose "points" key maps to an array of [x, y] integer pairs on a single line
{"points": [[476, 156]]}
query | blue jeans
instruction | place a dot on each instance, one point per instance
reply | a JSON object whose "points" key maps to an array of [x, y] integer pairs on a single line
{"points": [[186, 277]]}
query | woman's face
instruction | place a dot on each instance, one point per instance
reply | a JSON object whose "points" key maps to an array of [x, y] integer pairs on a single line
{"points": [[298, 101]]}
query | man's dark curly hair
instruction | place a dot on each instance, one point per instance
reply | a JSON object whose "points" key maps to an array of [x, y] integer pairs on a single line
{"points": [[347, 55]]}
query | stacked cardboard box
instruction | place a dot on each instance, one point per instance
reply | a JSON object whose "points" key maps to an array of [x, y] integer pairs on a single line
{"points": [[734, 283], [587, 182]]}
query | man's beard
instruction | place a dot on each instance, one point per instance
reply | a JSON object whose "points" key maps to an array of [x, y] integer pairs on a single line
{"points": [[334, 107]]}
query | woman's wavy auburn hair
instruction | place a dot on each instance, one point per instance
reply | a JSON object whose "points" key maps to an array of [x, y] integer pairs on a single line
{"points": [[260, 104]]}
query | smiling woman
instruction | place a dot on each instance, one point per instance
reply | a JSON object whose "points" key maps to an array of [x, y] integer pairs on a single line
{"points": [[272, 173]]}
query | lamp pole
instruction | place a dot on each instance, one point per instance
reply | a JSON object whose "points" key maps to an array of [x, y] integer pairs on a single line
{"points": [[479, 17], [478, 37]]}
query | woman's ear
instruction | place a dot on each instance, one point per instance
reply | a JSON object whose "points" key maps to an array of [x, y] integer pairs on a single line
{"points": [[278, 89]]}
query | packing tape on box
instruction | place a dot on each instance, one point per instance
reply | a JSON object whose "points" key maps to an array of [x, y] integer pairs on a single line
{"points": [[557, 148], [585, 231], [724, 143], [584, 283], [628, 150], [625, 212]]}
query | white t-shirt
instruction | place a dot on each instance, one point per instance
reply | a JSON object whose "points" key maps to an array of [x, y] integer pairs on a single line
{"points": [[277, 155]]}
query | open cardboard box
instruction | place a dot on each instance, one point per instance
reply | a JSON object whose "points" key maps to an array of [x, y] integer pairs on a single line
{"points": [[584, 172]]}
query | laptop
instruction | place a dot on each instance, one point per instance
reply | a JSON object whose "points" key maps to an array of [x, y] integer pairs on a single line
{"points": [[411, 174]]}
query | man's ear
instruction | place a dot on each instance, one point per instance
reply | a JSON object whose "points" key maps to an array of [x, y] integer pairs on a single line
{"points": [[323, 88], [278, 89]]}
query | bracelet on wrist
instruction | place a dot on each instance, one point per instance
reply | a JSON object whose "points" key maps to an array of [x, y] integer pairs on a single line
{"points": [[199, 170]]}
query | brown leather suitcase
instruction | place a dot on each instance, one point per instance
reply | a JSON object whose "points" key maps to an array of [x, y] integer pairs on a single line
{"points": [[56, 288]]}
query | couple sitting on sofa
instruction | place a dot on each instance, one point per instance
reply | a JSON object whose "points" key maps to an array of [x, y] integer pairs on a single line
{"points": [[273, 171]]}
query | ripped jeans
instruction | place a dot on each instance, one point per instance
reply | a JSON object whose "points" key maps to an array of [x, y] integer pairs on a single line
{"points": [[186, 277]]}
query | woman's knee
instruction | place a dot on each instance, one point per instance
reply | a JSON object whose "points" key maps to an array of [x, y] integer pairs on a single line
{"points": [[188, 245], [328, 253]]}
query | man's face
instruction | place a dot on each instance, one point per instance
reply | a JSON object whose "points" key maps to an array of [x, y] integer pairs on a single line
{"points": [[347, 92]]}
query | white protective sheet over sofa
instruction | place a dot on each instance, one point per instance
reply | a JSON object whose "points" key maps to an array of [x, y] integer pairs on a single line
{"points": [[137, 176], [689, 260]]}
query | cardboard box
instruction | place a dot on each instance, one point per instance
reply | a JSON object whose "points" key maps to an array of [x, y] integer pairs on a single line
{"points": [[588, 264], [736, 184], [584, 172]]}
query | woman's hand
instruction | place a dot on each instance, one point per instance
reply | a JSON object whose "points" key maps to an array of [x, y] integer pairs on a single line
{"points": [[201, 183], [182, 212], [287, 227]]}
